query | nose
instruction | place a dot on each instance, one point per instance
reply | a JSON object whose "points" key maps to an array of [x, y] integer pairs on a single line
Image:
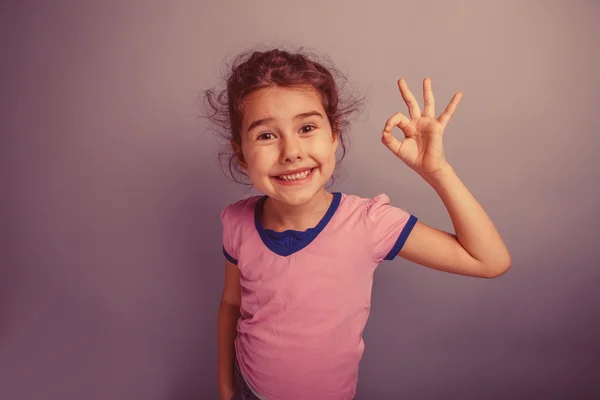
{"points": [[291, 149]]}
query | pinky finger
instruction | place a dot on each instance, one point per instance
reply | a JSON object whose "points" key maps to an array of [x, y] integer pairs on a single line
{"points": [[444, 117]]}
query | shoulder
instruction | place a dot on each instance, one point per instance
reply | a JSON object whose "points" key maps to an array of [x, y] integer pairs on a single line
{"points": [[374, 211], [237, 220], [363, 204], [240, 208]]}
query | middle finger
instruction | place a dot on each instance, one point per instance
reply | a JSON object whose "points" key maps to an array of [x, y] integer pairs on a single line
{"points": [[413, 107]]}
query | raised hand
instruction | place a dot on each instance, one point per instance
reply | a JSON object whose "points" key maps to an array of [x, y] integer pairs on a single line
{"points": [[422, 148]]}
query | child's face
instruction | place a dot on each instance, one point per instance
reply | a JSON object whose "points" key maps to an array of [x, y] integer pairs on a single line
{"points": [[285, 130]]}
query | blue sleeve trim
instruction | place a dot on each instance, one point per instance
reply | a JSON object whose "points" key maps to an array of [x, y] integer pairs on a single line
{"points": [[227, 256], [412, 220]]}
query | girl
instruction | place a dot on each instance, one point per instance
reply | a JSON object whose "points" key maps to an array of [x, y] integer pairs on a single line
{"points": [[300, 259]]}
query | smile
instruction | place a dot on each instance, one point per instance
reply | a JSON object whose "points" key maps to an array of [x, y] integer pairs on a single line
{"points": [[295, 178]]}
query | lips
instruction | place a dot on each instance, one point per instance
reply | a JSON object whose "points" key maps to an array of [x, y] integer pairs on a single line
{"points": [[295, 171], [299, 176]]}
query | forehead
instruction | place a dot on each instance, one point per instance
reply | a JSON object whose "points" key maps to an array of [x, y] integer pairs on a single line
{"points": [[281, 103]]}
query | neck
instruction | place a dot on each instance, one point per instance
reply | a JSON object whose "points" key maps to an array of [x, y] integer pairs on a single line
{"points": [[280, 216]]}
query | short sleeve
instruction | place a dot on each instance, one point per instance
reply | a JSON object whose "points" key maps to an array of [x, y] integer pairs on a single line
{"points": [[228, 248], [388, 227]]}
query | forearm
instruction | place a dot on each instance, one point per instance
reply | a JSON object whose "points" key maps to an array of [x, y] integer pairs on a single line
{"points": [[227, 331], [473, 227]]}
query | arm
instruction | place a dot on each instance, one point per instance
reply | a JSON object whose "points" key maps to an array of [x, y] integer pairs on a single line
{"points": [[229, 313], [477, 248]]}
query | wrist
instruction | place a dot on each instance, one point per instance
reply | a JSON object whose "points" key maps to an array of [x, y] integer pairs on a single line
{"points": [[444, 174]]}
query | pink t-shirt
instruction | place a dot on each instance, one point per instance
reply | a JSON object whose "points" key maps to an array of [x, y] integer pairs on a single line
{"points": [[305, 304]]}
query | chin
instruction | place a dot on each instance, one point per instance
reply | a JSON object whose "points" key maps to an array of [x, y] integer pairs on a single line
{"points": [[292, 199], [296, 197]]}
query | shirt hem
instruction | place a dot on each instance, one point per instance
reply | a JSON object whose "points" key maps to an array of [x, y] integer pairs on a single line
{"points": [[229, 257], [410, 224]]}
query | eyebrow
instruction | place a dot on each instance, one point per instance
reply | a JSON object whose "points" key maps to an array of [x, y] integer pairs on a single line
{"points": [[262, 121]]}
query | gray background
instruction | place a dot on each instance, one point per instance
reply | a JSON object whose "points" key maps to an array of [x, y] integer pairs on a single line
{"points": [[111, 267]]}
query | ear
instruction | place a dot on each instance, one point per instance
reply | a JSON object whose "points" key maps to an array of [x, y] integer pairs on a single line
{"points": [[335, 135], [239, 155]]}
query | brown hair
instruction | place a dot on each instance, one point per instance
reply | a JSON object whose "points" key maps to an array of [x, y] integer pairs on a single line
{"points": [[253, 70]]}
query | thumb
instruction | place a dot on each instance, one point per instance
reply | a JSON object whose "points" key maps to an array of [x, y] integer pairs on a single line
{"points": [[401, 121], [391, 142]]}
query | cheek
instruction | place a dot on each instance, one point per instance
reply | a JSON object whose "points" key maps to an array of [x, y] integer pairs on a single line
{"points": [[260, 161], [326, 151]]}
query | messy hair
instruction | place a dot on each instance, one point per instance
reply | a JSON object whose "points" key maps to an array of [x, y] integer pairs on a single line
{"points": [[253, 70]]}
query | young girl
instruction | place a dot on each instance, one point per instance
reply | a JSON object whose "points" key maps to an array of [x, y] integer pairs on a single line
{"points": [[299, 259]]}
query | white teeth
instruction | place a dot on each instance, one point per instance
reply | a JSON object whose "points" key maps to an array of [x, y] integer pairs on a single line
{"points": [[293, 177]]}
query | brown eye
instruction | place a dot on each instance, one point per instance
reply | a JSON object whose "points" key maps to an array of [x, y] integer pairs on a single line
{"points": [[262, 136], [310, 128]]}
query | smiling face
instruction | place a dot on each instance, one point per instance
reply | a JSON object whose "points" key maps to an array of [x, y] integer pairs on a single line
{"points": [[287, 143]]}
